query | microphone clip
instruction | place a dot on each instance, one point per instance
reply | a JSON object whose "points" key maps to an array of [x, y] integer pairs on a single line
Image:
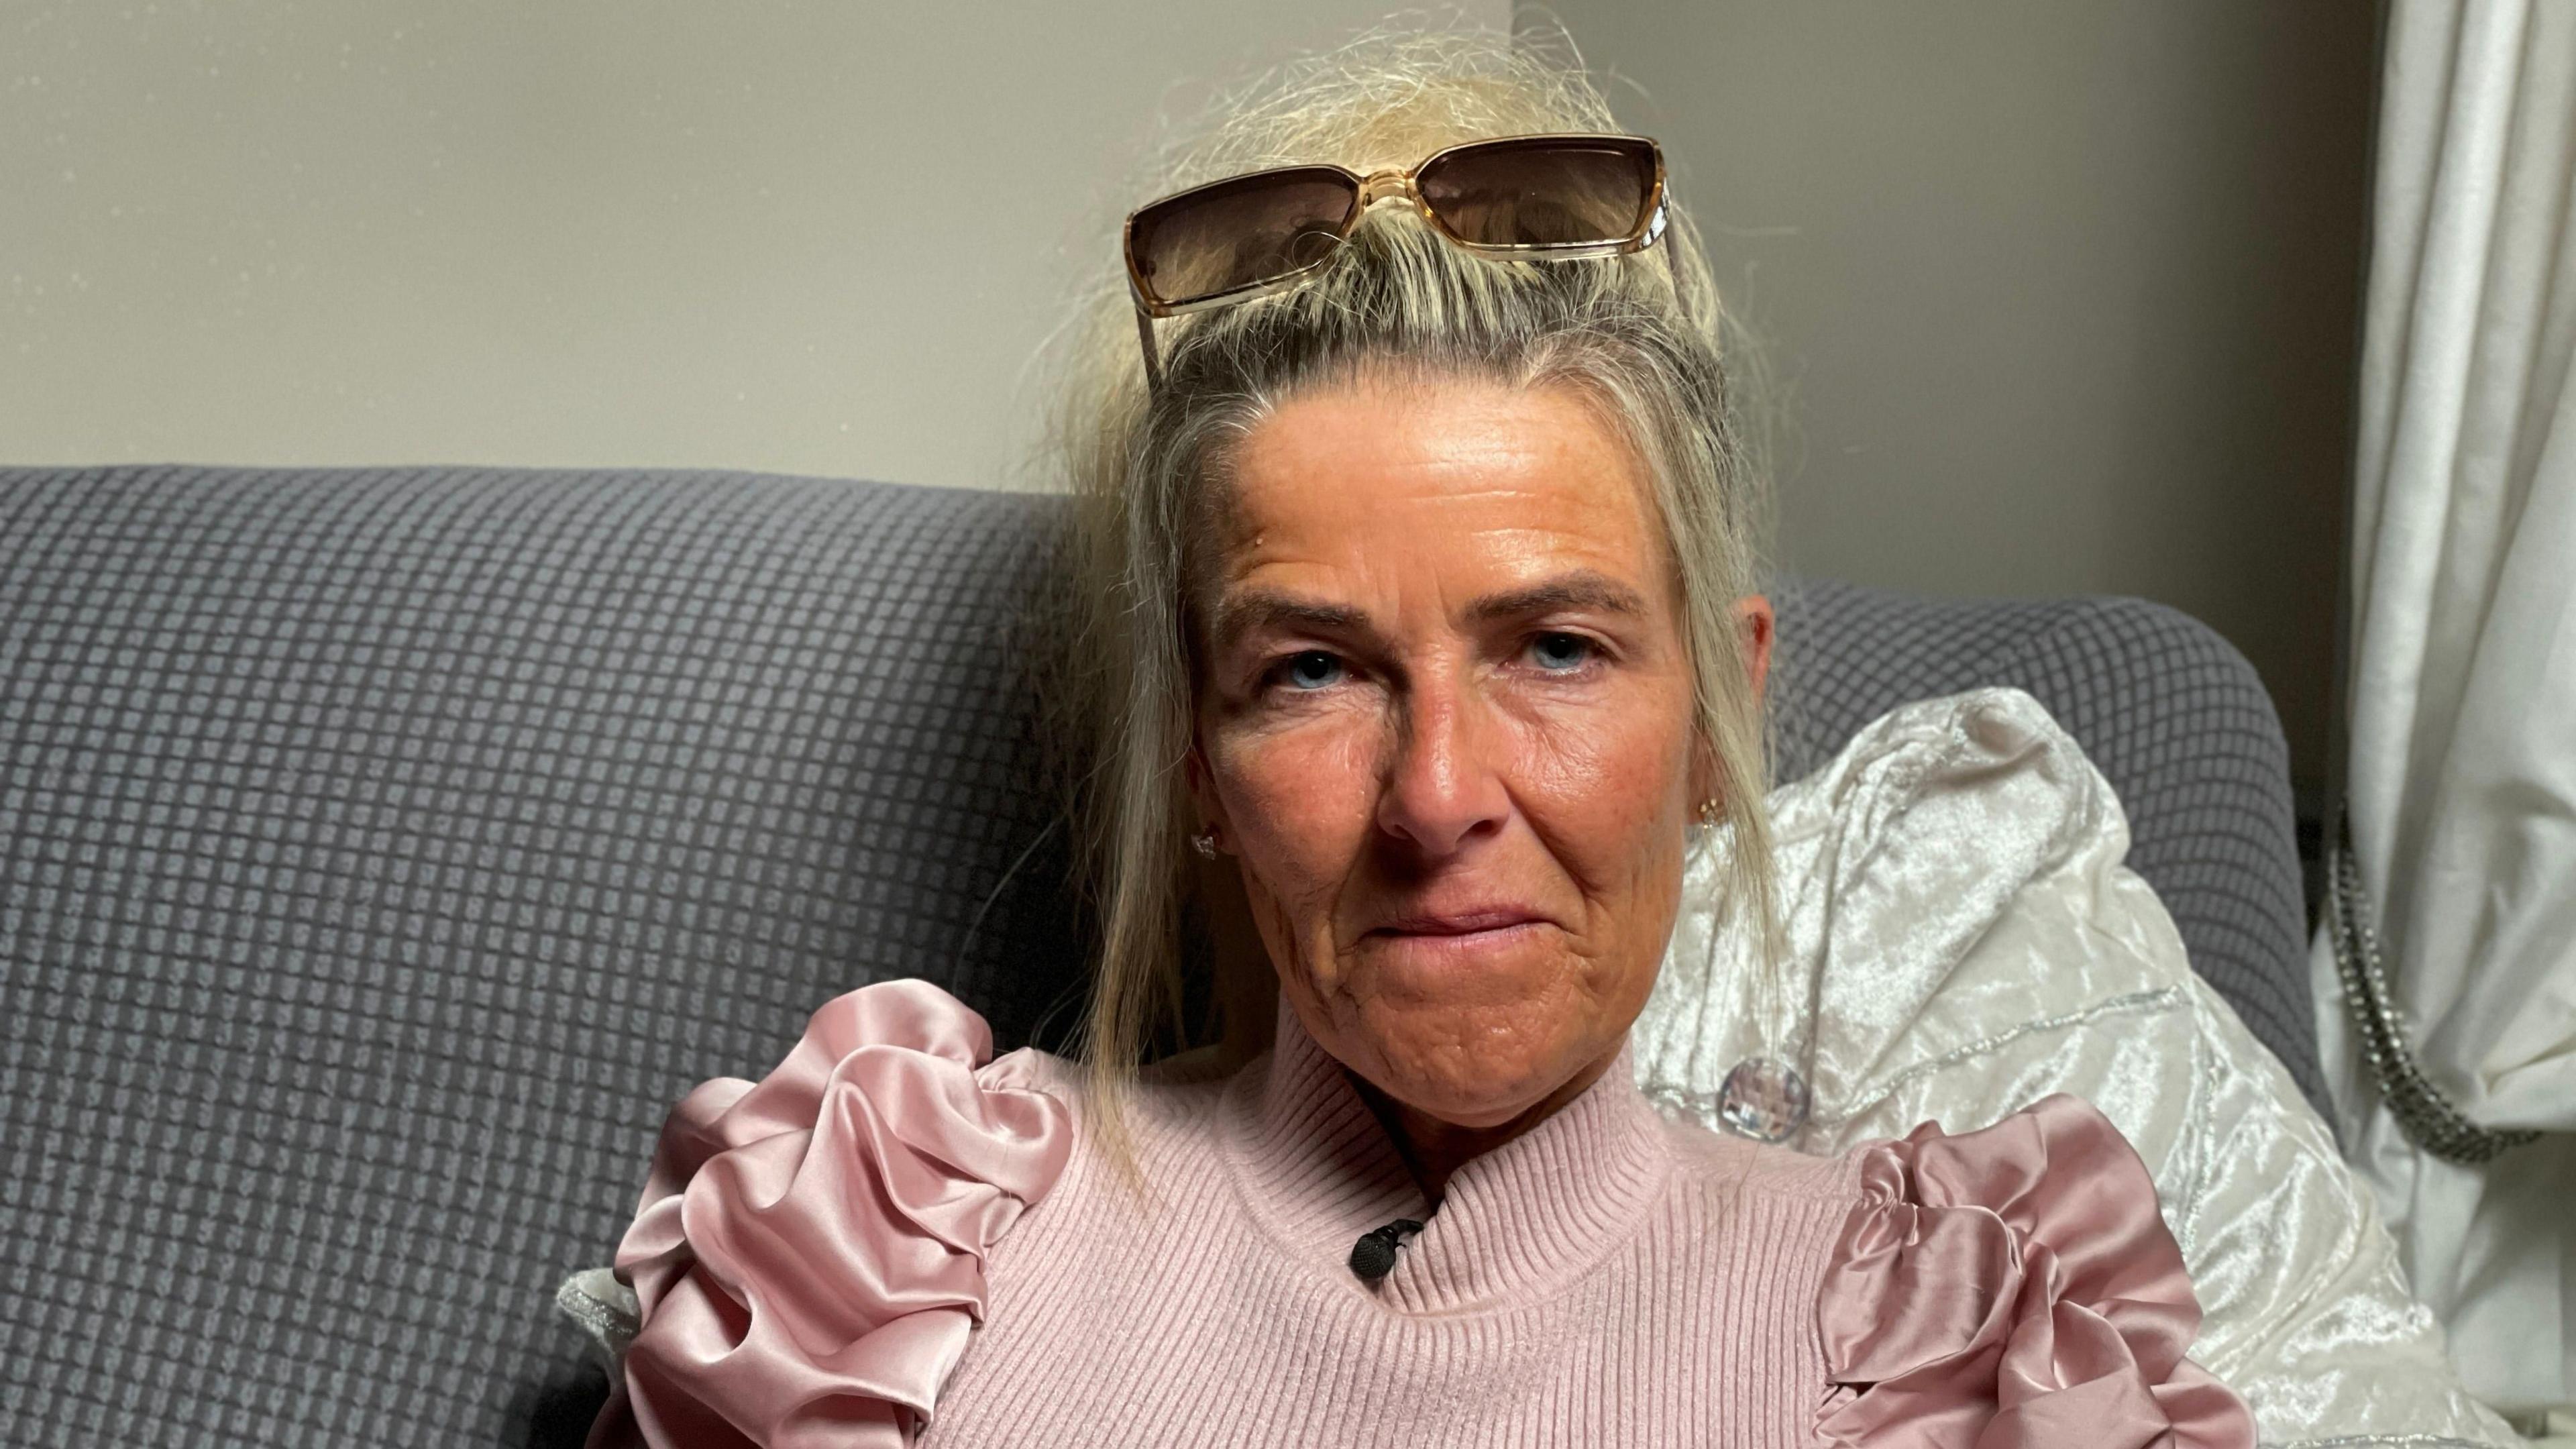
{"points": [[1373, 1256]]}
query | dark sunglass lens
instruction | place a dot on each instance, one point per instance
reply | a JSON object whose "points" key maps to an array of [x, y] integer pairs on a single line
{"points": [[1547, 193], [1239, 232]]}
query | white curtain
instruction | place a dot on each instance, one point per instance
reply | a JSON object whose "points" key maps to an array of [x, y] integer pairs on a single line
{"points": [[2461, 792]]}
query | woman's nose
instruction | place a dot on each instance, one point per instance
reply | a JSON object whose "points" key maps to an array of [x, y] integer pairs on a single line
{"points": [[1443, 789]]}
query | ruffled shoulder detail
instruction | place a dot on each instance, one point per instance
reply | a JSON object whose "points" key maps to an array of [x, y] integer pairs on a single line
{"points": [[2015, 1288], [808, 1254]]}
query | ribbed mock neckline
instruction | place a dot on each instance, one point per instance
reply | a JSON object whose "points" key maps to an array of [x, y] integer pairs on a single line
{"points": [[1317, 1170]]}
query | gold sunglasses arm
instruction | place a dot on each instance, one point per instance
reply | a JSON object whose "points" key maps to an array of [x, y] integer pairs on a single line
{"points": [[1153, 358]]}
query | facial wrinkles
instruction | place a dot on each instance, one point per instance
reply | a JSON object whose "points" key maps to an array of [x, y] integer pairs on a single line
{"points": [[1449, 733], [1522, 788]]}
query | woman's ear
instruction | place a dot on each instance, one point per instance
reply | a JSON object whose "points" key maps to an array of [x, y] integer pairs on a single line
{"points": [[1755, 624], [1202, 786], [1703, 774], [1754, 618], [1247, 989]]}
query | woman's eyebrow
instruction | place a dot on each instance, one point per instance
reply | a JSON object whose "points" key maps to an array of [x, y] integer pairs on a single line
{"points": [[1259, 609], [1580, 590]]}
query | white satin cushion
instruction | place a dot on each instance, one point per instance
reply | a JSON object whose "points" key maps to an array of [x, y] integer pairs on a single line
{"points": [[1964, 940]]}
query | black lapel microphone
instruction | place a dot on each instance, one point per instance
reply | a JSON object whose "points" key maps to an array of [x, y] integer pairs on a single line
{"points": [[1373, 1256]]}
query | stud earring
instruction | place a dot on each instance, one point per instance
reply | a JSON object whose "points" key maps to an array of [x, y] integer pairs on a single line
{"points": [[1205, 841], [1704, 820]]}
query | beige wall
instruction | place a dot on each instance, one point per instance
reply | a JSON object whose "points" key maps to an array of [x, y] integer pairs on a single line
{"points": [[2056, 297], [820, 237]]}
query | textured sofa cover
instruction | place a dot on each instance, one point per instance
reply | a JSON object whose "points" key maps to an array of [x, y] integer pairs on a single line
{"points": [[382, 851]]}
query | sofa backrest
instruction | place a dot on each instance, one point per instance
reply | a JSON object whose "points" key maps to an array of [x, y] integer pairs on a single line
{"points": [[383, 851]]}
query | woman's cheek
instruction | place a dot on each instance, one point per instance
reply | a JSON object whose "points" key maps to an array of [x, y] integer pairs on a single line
{"points": [[1598, 781], [1300, 797]]}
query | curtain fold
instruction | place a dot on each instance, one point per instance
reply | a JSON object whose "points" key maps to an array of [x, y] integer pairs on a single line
{"points": [[2460, 791]]}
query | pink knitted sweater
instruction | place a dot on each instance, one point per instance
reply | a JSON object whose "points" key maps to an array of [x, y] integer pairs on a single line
{"points": [[892, 1239]]}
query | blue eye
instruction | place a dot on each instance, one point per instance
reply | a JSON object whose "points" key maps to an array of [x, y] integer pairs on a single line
{"points": [[1311, 669], [1561, 653]]}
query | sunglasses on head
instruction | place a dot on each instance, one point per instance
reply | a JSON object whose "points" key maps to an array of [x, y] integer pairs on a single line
{"points": [[1533, 197]]}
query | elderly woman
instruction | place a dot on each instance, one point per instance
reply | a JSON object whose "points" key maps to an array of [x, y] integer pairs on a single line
{"points": [[1426, 642]]}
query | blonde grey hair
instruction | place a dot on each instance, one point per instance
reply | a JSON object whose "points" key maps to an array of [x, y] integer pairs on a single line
{"points": [[1637, 336]]}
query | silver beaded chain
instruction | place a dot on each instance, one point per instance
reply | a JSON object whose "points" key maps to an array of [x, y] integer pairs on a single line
{"points": [[2427, 1116]]}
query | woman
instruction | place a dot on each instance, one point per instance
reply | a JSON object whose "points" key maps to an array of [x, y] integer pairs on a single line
{"points": [[1429, 640]]}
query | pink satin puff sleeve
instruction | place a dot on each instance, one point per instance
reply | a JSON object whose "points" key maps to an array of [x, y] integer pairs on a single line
{"points": [[808, 1256], [2015, 1288]]}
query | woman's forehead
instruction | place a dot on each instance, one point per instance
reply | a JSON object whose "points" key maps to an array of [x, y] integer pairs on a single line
{"points": [[1440, 483]]}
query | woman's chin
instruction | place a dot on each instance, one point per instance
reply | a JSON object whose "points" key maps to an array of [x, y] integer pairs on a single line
{"points": [[1476, 1068], [1473, 1028]]}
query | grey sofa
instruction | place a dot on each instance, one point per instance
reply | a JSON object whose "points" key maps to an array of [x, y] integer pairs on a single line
{"points": [[381, 852]]}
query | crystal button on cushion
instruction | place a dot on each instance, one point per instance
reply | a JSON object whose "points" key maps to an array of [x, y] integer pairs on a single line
{"points": [[1763, 1099]]}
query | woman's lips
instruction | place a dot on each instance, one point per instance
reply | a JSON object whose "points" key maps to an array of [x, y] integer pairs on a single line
{"points": [[1435, 956], [1468, 922]]}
